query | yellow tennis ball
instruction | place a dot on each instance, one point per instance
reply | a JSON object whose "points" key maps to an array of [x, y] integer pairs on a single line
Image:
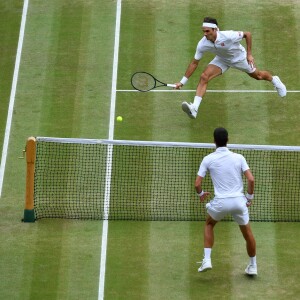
{"points": [[119, 119]]}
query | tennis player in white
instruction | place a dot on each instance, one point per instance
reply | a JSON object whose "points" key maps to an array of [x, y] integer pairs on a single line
{"points": [[229, 53], [226, 169]]}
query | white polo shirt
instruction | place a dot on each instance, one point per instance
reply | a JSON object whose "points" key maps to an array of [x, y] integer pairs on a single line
{"points": [[227, 46], [226, 169]]}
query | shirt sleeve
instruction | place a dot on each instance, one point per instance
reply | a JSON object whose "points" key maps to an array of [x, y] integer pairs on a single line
{"points": [[199, 52], [236, 36], [203, 168], [245, 166]]}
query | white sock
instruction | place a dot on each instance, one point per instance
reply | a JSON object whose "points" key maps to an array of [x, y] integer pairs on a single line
{"points": [[274, 82], [253, 260], [197, 102], [207, 253]]}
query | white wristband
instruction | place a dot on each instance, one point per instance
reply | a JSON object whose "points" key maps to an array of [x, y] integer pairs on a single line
{"points": [[249, 197], [201, 194], [184, 80]]}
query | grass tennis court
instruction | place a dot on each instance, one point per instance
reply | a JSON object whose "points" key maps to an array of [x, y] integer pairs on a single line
{"points": [[64, 89]]}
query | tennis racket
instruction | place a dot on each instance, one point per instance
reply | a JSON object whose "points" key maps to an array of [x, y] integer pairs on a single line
{"points": [[144, 82]]}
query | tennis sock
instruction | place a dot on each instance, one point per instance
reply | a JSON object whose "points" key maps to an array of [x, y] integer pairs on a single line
{"points": [[207, 253], [253, 260], [197, 102], [274, 84]]}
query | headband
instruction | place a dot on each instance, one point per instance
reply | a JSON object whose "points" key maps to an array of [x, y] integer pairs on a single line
{"points": [[210, 25]]}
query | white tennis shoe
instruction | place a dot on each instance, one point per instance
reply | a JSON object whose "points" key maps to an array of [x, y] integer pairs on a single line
{"points": [[205, 265], [251, 270], [279, 86], [189, 110]]}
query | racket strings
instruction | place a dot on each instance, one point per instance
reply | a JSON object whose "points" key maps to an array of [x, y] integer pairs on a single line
{"points": [[143, 81]]}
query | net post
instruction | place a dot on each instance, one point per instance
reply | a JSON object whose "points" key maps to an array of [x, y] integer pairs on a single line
{"points": [[29, 215]]}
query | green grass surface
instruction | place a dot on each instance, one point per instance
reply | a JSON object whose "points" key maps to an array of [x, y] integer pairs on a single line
{"points": [[167, 254], [64, 90], [10, 12]]}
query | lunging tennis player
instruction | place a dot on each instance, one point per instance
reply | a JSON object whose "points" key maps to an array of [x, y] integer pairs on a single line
{"points": [[229, 53], [226, 169]]}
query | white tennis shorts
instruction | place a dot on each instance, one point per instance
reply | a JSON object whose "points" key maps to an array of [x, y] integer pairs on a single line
{"points": [[240, 65], [219, 208]]}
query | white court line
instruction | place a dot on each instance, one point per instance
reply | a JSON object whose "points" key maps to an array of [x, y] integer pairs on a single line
{"points": [[13, 94], [109, 154], [212, 91]]}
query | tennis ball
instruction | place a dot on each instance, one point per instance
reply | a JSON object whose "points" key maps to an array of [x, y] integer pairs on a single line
{"points": [[119, 119]]}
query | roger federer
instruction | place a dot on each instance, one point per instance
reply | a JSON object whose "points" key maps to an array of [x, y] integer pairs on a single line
{"points": [[226, 169], [229, 54]]}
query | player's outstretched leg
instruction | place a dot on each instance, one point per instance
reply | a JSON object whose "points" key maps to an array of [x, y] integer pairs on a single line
{"points": [[191, 109], [266, 75]]}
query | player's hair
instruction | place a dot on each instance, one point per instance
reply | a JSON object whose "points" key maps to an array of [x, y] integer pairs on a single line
{"points": [[210, 20], [221, 137]]}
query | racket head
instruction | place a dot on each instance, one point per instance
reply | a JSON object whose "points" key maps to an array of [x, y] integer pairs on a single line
{"points": [[143, 81]]}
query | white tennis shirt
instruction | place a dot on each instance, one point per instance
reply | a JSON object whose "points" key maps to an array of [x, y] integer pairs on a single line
{"points": [[227, 46], [226, 169]]}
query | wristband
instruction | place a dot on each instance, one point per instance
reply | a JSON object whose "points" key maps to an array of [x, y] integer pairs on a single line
{"points": [[201, 193], [249, 197], [184, 80]]}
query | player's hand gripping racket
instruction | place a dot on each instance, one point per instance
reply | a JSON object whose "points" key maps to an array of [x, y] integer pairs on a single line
{"points": [[144, 82]]}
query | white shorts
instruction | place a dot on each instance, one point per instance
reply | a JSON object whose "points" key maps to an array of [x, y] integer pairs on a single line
{"points": [[240, 65], [219, 208]]}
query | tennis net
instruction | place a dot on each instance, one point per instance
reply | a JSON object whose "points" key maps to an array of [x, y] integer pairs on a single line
{"points": [[130, 180]]}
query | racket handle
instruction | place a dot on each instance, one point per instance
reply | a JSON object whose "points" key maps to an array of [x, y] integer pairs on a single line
{"points": [[171, 85]]}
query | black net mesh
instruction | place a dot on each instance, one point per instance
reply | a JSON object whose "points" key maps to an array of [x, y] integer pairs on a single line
{"points": [[152, 182]]}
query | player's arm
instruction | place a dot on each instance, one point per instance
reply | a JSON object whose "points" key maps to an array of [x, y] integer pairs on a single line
{"points": [[198, 187], [248, 37], [189, 72], [250, 187]]}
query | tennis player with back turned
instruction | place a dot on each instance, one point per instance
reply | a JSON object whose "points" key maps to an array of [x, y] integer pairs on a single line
{"points": [[226, 169]]}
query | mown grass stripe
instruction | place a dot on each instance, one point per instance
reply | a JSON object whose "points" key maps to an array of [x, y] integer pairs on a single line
{"points": [[168, 266], [10, 16], [167, 271], [12, 95], [63, 72], [242, 109]]}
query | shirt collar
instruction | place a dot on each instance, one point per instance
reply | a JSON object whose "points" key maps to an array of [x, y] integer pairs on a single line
{"points": [[222, 149]]}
